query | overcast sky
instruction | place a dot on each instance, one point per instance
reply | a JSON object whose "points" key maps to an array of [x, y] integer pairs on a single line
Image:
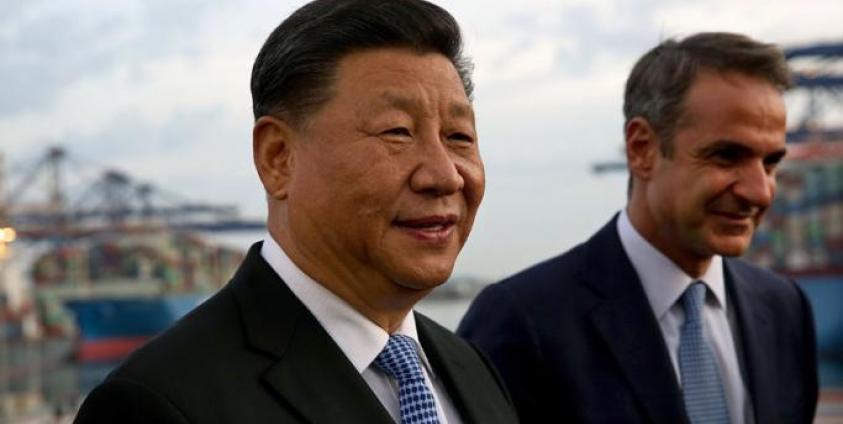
{"points": [[160, 89]]}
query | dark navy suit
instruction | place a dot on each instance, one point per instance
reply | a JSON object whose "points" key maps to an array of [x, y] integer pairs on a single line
{"points": [[577, 341]]}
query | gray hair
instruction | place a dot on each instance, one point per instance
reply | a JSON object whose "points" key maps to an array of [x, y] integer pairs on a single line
{"points": [[659, 81]]}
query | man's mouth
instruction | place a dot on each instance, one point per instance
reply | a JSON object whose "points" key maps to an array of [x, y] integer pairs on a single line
{"points": [[735, 210], [736, 215], [741, 218], [434, 228]]}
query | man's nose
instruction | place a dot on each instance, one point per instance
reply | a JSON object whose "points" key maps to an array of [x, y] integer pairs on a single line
{"points": [[436, 171], [756, 184]]}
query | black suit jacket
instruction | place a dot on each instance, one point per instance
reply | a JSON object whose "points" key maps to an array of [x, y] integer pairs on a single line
{"points": [[254, 354], [576, 340]]}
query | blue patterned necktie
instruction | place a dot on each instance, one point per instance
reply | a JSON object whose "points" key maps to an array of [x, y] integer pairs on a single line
{"points": [[401, 362], [705, 400]]}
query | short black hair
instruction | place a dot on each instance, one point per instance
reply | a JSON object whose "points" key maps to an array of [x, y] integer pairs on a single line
{"points": [[293, 74], [660, 80]]}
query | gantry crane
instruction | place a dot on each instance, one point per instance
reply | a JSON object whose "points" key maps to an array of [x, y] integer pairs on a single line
{"points": [[112, 200]]}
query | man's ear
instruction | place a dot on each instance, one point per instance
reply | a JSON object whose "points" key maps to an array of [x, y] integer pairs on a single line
{"points": [[272, 141], [642, 147]]}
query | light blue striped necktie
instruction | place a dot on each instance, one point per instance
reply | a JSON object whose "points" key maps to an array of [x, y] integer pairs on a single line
{"points": [[702, 389], [400, 360]]}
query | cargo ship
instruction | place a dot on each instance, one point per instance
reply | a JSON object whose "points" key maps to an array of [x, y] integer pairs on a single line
{"points": [[114, 291]]}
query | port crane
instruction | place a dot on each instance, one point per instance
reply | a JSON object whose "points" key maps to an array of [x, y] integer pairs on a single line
{"points": [[110, 199]]}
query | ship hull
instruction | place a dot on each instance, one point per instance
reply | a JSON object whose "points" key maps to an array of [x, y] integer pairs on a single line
{"points": [[111, 328], [825, 294]]}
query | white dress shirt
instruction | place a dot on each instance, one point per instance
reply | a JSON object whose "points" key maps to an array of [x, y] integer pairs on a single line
{"points": [[360, 339], [665, 283]]}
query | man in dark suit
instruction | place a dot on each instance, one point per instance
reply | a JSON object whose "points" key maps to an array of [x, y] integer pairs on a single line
{"points": [[652, 320], [364, 140]]}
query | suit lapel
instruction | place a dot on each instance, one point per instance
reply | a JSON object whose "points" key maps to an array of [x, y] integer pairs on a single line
{"points": [[626, 323], [473, 392], [308, 372], [756, 335], [318, 380]]}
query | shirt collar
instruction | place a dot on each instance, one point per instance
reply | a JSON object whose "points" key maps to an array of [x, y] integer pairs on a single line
{"points": [[664, 282], [360, 339]]}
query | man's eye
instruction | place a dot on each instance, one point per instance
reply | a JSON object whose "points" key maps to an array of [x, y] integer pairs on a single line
{"points": [[461, 137], [727, 155], [771, 164], [399, 131], [772, 161]]}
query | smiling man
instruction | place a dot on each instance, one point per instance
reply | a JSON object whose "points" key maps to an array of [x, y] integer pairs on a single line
{"points": [[652, 320], [364, 140]]}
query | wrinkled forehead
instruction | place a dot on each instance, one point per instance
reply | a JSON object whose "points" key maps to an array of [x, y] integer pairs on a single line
{"points": [[402, 79], [453, 106]]}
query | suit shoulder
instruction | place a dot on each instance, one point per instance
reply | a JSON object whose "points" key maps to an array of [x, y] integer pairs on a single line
{"points": [[184, 348], [555, 275], [548, 272], [110, 401], [549, 285]]}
